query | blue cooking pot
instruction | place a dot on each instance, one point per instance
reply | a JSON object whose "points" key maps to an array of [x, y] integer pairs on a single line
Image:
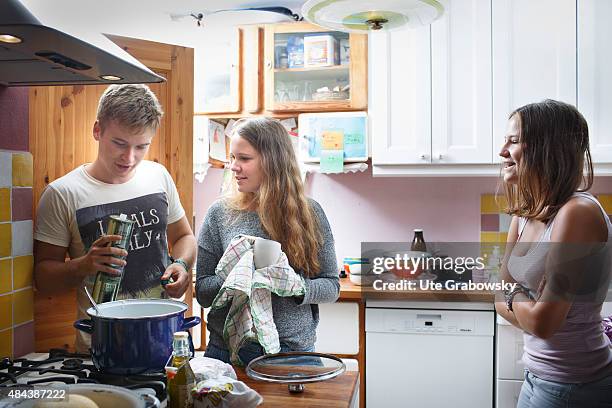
{"points": [[134, 335]]}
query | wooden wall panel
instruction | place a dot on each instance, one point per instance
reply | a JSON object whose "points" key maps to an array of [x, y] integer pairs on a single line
{"points": [[61, 138]]}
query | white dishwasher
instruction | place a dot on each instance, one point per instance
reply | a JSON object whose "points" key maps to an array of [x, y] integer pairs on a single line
{"points": [[429, 354]]}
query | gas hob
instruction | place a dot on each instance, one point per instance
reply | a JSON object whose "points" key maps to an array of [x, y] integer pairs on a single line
{"points": [[59, 367]]}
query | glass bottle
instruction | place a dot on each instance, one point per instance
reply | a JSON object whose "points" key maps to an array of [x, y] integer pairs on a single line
{"points": [[418, 242], [181, 379]]}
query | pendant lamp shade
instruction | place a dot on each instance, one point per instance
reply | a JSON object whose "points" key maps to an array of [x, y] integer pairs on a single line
{"points": [[364, 15]]}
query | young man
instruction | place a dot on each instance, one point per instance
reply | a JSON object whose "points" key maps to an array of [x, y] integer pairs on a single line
{"points": [[73, 211]]}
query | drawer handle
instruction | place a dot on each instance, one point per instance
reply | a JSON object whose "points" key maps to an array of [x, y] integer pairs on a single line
{"points": [[429, 316]]}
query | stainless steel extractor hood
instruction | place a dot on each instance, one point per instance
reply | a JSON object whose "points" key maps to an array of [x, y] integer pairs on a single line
{"points": [[34, 54]]}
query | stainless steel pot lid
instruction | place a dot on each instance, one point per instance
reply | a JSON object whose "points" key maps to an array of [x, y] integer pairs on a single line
{"points": [[295, 368], [138, 309]]}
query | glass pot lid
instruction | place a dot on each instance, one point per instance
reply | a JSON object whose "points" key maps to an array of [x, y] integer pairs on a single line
{"points": [[295, 368]]}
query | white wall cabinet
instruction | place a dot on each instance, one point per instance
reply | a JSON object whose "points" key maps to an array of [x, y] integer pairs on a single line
{"points": [[441, 94], [595, 74], [400, 107], [534, 55], [461, 83], [431, 89]]}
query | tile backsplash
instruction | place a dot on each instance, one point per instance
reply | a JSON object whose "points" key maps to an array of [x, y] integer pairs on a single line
{"points": [[494, 224], [16, 260]]}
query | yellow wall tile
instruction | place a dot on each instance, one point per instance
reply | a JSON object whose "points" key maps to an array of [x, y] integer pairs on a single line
{"points": [[606, 202], [5, 204], [6, 265], [5, 240], [6, 343], [23, 267], [23, 306], [490, 237], [6, 311], [22, 170], [489, 204]]}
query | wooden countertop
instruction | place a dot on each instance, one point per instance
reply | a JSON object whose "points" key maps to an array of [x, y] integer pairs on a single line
{"points": [[337, 392], [350, 291]]}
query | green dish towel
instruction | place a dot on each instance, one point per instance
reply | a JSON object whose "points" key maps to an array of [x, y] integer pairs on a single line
{"points": [[248, 292]]}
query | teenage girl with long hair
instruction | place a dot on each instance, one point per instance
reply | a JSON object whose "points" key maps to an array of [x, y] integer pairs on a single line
{"points": [[269, 202]]}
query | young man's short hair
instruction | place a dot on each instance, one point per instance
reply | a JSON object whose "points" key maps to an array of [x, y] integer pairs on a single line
{"points": [[133, 106]]}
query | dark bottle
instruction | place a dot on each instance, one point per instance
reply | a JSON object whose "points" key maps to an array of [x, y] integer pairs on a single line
{"points": [[418, 242]]}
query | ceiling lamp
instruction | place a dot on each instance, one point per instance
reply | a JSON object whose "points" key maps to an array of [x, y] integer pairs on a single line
{"points": [[364, 15]]}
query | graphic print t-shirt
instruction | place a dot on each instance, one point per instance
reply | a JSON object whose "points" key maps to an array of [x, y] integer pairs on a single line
{"points": [[74, 211], [147, 252]]}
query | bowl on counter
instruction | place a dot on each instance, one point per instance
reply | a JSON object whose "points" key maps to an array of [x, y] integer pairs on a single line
{"points": [[362, 280]]}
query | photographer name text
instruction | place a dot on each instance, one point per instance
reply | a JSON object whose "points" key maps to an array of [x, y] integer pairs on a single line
{"points": [[407, 285]]}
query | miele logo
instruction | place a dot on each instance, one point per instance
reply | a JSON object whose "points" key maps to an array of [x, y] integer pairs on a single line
{"points": [[465, 330]]}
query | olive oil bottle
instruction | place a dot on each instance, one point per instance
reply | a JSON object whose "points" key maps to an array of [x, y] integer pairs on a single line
{"points": [[181, 379]]}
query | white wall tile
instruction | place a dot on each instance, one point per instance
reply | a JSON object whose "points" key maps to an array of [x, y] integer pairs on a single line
{"points": [[504, 222], [6, 169], [22, 238]]}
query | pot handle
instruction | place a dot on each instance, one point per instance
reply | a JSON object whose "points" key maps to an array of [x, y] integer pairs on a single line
{"points": [[85, 325], [190, 322]]}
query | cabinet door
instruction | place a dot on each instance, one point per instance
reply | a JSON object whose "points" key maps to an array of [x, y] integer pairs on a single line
{"points": [[219, 91], [595, 74], [400, 109], [534, 56], [311, 69], [251, 68], [461, 83], [338, 329]]}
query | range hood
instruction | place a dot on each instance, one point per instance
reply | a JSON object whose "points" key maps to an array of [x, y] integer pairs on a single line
{"points": [[34, 54]]}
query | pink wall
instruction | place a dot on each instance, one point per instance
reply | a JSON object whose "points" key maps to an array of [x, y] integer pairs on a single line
{"points": [[14, 118], [362, 208]]}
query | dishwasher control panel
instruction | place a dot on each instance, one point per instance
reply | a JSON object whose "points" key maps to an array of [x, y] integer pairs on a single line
{"points": [[455, 322]]}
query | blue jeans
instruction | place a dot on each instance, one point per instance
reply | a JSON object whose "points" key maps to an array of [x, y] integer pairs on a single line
{"points": [[539, 393], [248, 352]]}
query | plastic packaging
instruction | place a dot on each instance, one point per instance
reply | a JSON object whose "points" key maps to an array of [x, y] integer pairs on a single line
{"points": [[206, 368], [224, 392]]}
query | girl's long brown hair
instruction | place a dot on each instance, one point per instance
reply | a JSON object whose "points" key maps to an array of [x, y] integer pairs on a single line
{"points": [[555, 140], [285, 213]]}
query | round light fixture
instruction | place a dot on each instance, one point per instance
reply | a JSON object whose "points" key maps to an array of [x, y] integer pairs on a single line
{"points": [[111, 77], [10, 39], [366, 15]]}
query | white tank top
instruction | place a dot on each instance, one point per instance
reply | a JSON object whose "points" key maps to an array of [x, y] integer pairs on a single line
{"points": [[579, 351]]}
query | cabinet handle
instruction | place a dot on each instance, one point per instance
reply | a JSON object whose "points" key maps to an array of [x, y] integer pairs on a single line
{"points": [[423, 156], [269, 64], [440, 156]]}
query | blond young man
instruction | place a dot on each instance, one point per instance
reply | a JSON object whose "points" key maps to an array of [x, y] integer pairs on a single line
{"points": [[74, 210]]}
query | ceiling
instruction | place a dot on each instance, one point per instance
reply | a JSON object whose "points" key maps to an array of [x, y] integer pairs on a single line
{"points": [[151, 19]]}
